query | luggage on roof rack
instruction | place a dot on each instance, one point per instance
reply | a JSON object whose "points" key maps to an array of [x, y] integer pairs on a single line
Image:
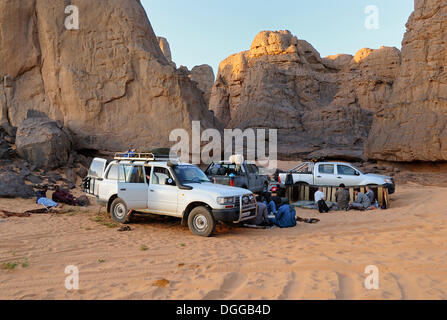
{"points": [[135, 156]]}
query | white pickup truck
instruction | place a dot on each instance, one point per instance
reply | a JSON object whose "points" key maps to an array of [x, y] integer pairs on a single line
{"points": [[141, 183], [333, 174]]}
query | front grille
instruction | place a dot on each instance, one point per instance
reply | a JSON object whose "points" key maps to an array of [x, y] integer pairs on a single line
{"points": [[237, 203]]}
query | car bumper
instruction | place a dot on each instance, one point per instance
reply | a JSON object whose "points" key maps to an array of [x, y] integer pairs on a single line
{"points": [[391, 188], [234, 215]]}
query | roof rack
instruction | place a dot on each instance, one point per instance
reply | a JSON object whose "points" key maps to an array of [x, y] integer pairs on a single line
{"points": [[137, 156]]}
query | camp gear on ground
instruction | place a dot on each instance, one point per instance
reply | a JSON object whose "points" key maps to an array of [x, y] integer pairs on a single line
{"points": [[305, 220], [48, 203]]}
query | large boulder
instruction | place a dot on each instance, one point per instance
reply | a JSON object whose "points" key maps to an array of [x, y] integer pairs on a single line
{"points": [[413, 125], [13, 185], [108, 82], [43, 143], [322, 107]]}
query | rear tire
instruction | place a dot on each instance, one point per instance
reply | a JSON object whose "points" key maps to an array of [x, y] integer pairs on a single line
{"points": [[119, 211], [201, 222]]}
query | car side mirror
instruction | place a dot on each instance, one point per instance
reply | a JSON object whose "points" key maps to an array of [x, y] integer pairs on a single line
{"points": [[169, 182], [357, 173]]}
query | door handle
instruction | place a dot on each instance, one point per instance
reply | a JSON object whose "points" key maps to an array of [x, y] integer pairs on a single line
{"points": [[152, 190], [123, 189], [318, 176], [339, 178]]}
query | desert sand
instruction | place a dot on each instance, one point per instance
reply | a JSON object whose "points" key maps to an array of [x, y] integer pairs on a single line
{"points": [[160, 259]]}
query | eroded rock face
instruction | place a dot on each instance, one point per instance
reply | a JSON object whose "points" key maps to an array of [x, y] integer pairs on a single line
{"points": [[413, 125], [203, 76], [108, 82], [43, 143], [322, 107]]}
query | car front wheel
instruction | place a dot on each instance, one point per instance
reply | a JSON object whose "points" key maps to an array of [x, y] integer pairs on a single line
{"points": [[201, 222], [119, 211]]}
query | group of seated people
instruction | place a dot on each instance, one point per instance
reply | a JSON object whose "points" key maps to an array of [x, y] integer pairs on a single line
{"points": [[363, 201], [273, 212]]}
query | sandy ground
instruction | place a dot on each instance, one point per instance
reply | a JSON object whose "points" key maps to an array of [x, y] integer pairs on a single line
{"points": [[322, 261]]}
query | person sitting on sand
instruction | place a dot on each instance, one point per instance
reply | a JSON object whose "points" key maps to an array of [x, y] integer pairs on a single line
{"points": [[370, 194], [285, 217], [362, 201], [262, 218], [320, 201], [342, 197]]}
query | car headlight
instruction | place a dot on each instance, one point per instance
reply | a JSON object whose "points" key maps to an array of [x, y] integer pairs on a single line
{"points": [[389, 181], [225, 200]]}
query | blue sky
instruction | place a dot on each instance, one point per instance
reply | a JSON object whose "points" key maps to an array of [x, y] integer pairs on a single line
{"points": [[208, 31]]}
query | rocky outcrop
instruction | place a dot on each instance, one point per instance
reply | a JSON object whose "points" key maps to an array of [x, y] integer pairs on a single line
{"points": [[108, 82], [43, 143], [203, 76], [165, 48], [413, 125], [13, 185], [322, 107]]}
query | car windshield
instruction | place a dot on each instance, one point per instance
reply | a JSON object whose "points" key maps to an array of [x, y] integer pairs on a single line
{"points": [[357, 169], [190, 174]]}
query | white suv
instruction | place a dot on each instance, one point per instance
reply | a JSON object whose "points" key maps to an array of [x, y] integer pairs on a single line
{"points": [[144, 184]]}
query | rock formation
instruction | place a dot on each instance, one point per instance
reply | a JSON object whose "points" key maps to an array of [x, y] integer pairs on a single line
{"points": [[203, 76], [108, 82], [43, 143], [321, 107], [13, 185], [165, 48], [413, 125]]}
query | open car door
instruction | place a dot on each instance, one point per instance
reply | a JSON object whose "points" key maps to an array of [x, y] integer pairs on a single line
{"points": [[95, 174]]}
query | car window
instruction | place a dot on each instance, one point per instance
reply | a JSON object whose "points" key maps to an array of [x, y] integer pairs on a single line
{"points": [[147, 172], [135, 174], [304, 169], [96, 169], [326, 168], [113, 172], [255, 169], [160, 175], [346, 171]]}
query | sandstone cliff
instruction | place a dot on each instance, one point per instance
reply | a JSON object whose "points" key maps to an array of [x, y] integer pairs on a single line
{"points": [[203, 76], [108, 82], [413, 125], [322, 107]]}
